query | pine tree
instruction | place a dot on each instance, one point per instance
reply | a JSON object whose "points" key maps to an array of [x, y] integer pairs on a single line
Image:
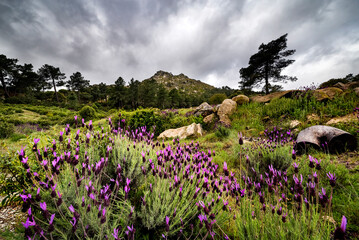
{"points": [[266, 65]]}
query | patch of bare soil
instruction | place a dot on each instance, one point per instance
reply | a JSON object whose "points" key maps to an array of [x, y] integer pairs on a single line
{"points": [[10, 216], [349, 159]]}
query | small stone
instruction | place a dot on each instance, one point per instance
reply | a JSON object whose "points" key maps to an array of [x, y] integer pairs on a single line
{"points": [[294, 124]]}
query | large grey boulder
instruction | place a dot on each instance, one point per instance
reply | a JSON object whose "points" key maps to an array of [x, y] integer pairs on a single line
{"points": [[326, 138], [204, 109], [193, 130]]}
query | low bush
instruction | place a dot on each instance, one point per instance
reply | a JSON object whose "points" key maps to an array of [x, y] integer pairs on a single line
{"points": [[222, 132], [87, 112], [6, 129]]}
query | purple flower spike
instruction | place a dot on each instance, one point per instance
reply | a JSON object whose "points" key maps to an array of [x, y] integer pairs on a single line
{"points": [[72, 209], [344, 223], [240, 138], [339, 232], [52, 218], [332, 179], [225, 169], [115, 233], [43, 206], [28, 223], [295, 165]]}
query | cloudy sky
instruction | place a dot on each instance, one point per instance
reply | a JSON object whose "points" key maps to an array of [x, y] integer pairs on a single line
{"points": [[206, 40]]}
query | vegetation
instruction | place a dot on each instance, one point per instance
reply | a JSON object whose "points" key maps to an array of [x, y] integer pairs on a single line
{"points": [[267, 64], [107, 175]]}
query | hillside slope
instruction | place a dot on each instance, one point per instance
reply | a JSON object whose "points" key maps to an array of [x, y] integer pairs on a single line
{"points": [[180, 82]]}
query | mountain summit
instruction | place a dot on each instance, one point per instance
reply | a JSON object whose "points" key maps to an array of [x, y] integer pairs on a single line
{"points": [[180, 82]]}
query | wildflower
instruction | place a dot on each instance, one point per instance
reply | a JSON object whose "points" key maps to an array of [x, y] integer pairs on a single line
{"points": [[225, 169], [295, 165], [103, 217], [51, 223], [202, 218], [284, 217], [61, 138], [26, 225], [279, 211], [36, 141], [315, 176], [167, 224], [311, 162], [240, 138], [317, 164], [294, 154], [115, 233], [332, 179], [261, 197], [21, 153], [143, 201], [339, 232], [72, 209], [59, 200], [44, 210], [74, 224], [24, 162], [323, 198]]}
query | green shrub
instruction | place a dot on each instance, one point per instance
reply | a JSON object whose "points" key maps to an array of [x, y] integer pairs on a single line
{"points": [[87, 112], [6, 129], [146, 118], [217, 98], [222, 132]]}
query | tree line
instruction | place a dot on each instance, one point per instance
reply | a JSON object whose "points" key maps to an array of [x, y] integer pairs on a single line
{"points": [[22, 84]]}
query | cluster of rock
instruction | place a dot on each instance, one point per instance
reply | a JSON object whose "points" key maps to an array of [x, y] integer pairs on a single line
{"points": [[220, 112]]}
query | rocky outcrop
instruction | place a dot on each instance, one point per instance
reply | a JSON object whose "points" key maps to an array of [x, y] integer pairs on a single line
{"points": [[346, 86], [241, 99], [227, 108], [204, 109], [326, 138], [356, 90], [267, 98], [194, 130], [326, 93]]}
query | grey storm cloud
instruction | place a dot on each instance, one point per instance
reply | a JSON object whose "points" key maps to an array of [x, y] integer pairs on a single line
{"points": [[206, 40]]}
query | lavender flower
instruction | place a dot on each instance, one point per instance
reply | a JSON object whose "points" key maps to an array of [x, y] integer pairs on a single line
{"points": [[36, 141], [339, 232], [115, 234], [332, 179], [295, 165], [240, 138], [167, 224], [225, 169], [51, 227]]}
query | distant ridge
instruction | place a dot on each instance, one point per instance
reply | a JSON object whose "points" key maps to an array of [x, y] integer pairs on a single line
{"points": [[180, 82]]}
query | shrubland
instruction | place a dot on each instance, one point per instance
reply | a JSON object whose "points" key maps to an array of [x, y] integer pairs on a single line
{"points": [[111, 177]]}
